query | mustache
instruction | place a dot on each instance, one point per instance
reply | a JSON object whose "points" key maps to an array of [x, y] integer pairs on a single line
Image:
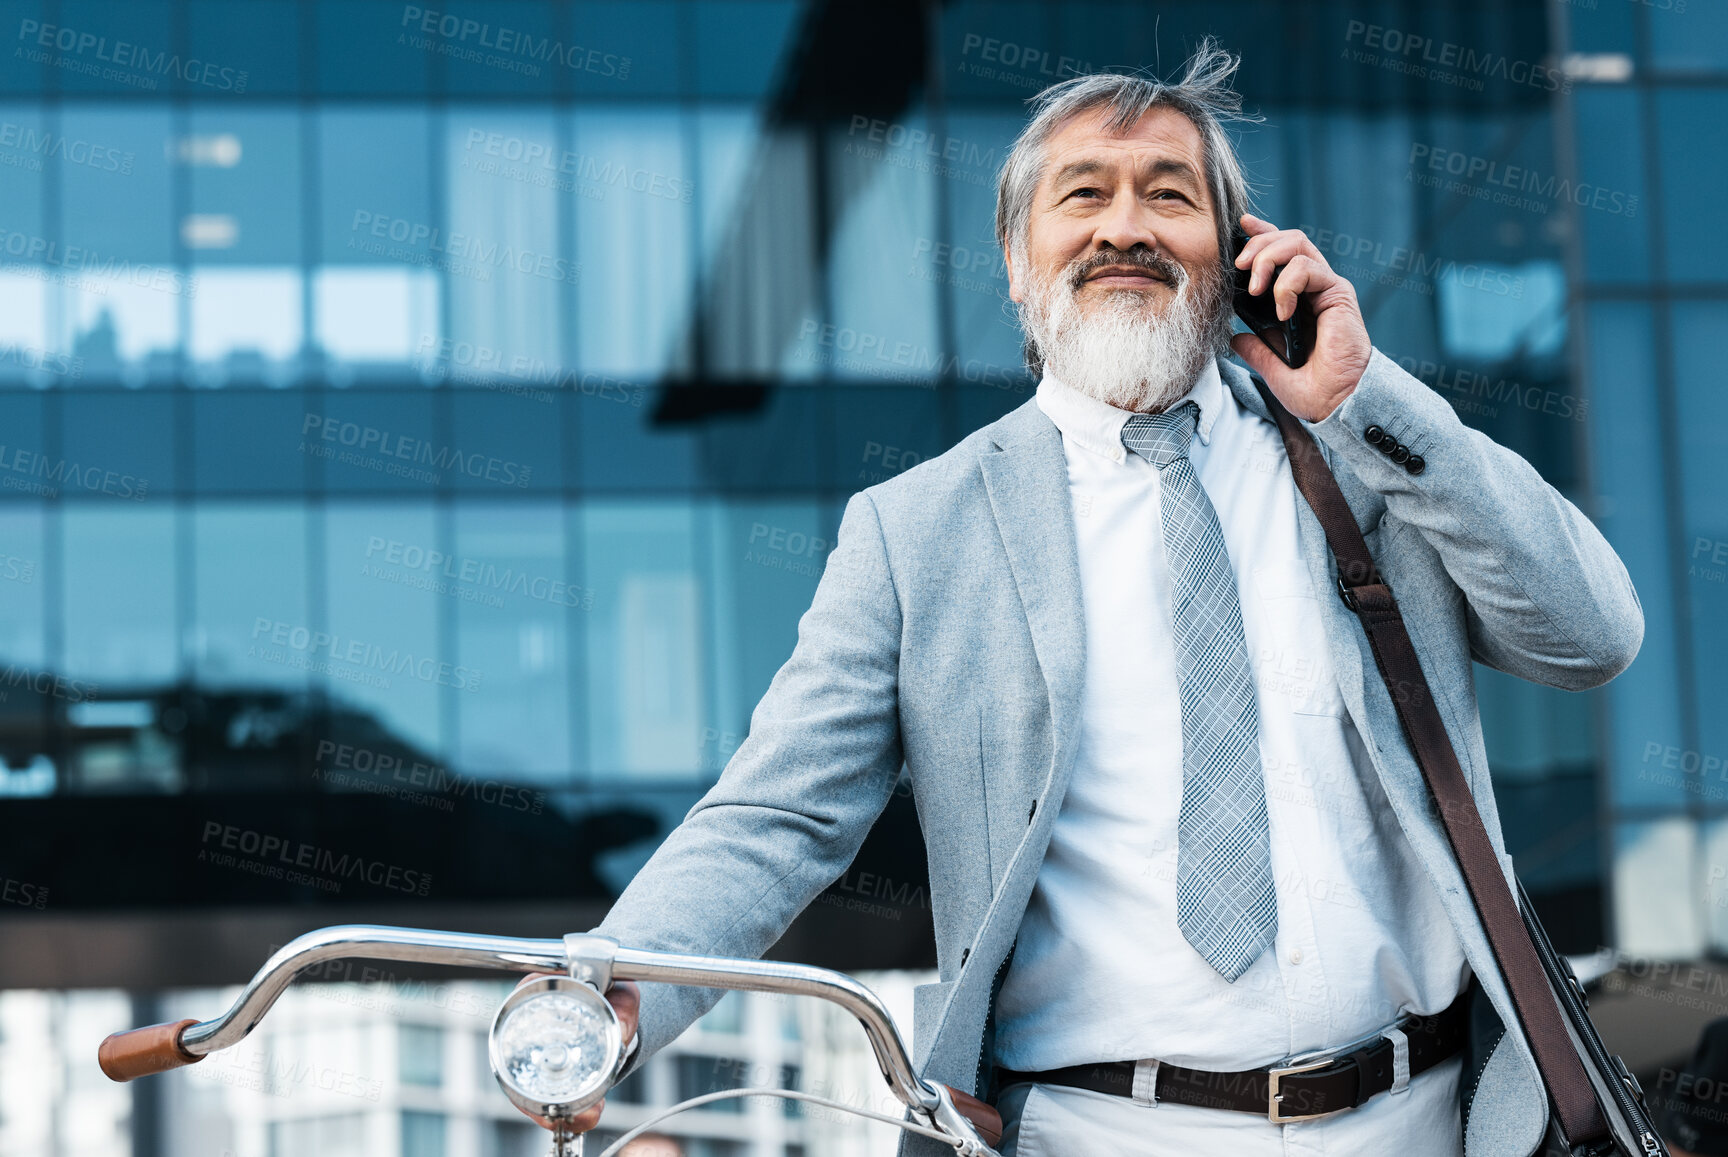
{"points": [[1170, 270]]}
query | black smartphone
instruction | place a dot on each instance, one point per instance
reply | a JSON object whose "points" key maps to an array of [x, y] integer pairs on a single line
{"points": [[1291, 340]]}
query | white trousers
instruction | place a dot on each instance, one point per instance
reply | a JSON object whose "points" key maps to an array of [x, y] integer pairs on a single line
{"points": [[1057, 1121]]}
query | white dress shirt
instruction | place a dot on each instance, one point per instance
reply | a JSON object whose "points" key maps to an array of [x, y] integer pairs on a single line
{"points": [[1101, 972]]}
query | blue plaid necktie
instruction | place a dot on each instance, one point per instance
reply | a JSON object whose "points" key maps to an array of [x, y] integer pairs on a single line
{"points": [[1225, 904]]}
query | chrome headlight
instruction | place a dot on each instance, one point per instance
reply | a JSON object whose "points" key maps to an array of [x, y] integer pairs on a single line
{"points": [[556, 1047]]}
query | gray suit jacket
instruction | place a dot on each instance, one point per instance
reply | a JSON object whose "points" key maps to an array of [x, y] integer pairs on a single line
{"points": [[946, 634]]}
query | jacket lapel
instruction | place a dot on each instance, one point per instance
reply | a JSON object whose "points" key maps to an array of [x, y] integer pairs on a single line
{"points": [[1026, 478]]}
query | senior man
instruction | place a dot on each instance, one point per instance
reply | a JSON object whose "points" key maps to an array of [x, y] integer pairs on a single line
{"points": [[1176, 836]]}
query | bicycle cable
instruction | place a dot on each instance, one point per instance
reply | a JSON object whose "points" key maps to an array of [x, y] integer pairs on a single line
{"points": [[790, 1094]]}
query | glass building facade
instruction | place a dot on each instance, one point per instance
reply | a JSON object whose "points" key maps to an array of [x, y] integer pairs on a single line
{"points": [[423, 425]]}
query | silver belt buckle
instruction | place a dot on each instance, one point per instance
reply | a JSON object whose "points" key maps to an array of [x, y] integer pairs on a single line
{"points": [[1319, 1059], [1274, 1096]]}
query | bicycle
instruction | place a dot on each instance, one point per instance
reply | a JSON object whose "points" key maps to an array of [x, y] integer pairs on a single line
{"points": [[556, 1046]]}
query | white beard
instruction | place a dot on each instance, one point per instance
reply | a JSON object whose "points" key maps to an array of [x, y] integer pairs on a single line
{"points": [[1121, 350]]}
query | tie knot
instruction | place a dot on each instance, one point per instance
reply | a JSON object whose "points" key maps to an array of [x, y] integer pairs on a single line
{"points": [[1162, 438]]}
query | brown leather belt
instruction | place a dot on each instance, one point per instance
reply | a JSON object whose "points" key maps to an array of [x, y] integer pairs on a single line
{"points": [[1298, 1091]]}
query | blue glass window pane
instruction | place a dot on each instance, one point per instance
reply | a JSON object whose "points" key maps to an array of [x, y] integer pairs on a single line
{"points": [[767, 558], [741, 45], [513, 274], [1617, 235], [253, 442], [515, 597], [509, 444], [1694, 245], [384, 656], [880, 432], [1700, 329], [122, 47], [882, 195], [119, 213], [1005, 51], [243, 172], [499, 46], [243, 48], [1626, 445], [965, 262], [118, 446], [29, 141], [21, 72], [374, 172], [249, 573], [623, 48], [634, 242], [647, 684], [118, 596], [619, 449], [1597, 27], [758, 225], [372, 46], [1688, 37], [378, 441], [24, 583]]}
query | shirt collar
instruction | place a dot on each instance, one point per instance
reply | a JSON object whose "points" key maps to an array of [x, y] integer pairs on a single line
{"points": [[1098, 425]]}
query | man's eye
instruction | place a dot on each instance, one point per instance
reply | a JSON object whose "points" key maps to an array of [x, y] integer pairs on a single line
{"points": [[1087, 192]]}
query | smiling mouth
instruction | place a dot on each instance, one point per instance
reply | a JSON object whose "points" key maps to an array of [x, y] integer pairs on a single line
{"points": [[1130, 276]]}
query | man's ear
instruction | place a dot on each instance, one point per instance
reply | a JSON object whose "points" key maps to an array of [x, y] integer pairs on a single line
{"points": [[1014, 293]]}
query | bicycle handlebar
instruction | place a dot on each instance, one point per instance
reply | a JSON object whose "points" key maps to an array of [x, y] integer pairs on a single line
{"points": [[141, 1052]]}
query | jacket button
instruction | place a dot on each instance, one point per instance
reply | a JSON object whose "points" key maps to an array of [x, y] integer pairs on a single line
{"points": [[1414, 464], [1373, 434], [1400, 453], [1388, 444]]}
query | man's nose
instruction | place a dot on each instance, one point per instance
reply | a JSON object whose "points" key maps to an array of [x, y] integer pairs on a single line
{"points": [[1125, 224]]}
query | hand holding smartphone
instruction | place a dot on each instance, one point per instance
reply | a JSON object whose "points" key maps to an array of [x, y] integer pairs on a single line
{"points": [[1292, 340]]}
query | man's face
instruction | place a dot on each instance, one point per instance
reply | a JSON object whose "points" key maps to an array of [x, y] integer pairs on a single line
{"points": [[1118, 280], [1102, 195]]}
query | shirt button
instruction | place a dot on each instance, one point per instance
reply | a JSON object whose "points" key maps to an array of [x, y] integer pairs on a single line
{"points": [[1295, 956]]}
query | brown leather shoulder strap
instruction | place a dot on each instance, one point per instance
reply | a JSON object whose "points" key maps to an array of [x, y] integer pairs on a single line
{"points": [[1365, 593]]}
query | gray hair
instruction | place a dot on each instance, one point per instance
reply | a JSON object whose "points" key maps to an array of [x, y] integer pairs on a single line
{"points": [[1203, 95]]}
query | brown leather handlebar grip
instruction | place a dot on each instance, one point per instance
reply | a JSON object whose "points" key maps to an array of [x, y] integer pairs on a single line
{"points": [[143, 1051]]}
